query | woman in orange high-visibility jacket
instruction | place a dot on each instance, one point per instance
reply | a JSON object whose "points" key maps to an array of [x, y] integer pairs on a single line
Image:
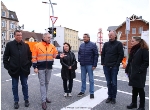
{"points": [[42, 58]]}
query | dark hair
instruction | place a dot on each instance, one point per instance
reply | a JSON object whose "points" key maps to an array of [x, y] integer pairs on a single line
{"points": [[68, 45], [87, 35], [16, 31], [143, 44]]}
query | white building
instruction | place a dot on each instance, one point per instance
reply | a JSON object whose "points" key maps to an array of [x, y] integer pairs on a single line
{"points": [[68, 35]]}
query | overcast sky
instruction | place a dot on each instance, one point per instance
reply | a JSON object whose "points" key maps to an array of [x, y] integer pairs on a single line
{"points": [[85, 16]]}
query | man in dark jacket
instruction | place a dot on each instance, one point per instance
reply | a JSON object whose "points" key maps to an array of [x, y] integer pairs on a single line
{"points": [[88, 58], [111, 57], [17, 60]]}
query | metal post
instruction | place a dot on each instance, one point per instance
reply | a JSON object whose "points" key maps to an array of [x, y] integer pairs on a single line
{"points": [[49, 16], [127, 45], [52, 15]]}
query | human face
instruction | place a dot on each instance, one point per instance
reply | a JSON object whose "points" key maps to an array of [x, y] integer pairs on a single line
{"points": [[47, 38], [111, 36], [133, 42], [18, 36], [66, 47], [86, 38]]}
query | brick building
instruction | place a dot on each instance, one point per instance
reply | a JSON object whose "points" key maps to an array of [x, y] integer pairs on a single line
{"points": [[137, 25]]}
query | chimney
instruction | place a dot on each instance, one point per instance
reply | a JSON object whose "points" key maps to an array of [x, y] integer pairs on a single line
{"points": [[140, 17]]}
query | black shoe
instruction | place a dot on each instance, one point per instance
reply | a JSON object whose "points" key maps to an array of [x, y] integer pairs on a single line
{"points": [[132, 105], [108, 100], [80, 94], [26, 103], [44, 106], [16, 105], [91, 96], [47, 100], [113, 101], [141, 109]]}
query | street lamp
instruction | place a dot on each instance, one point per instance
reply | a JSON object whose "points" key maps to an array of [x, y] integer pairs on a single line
{"points": [[50, 4]]}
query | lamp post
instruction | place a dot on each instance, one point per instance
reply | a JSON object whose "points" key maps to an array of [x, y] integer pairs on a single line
{"points": [[50, 4]]}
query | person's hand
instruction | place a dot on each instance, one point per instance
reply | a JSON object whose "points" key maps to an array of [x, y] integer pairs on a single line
{"points": [[70, 67], [62, 55], [36, 70], [93, 68]]}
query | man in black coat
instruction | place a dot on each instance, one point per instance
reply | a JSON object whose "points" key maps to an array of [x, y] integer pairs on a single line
{"points": [[111, 57], [17, 60]]}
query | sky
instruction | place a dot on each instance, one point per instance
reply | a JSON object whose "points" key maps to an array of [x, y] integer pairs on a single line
{"points": [[85, 16]]}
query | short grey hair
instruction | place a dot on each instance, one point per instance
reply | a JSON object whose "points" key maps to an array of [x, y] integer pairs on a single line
{"points": [[87, 35], [46, 34], [114, 32]]}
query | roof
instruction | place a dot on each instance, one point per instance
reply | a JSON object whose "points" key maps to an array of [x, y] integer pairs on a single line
{"points": [[26, 34], [112, 28], [133, 18], [13, 16]]}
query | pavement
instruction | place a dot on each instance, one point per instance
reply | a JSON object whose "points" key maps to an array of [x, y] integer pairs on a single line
{"points": [[55, 92]]}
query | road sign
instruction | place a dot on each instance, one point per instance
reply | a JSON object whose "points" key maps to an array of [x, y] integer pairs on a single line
{"points": [[127, 24], [53, 19]]}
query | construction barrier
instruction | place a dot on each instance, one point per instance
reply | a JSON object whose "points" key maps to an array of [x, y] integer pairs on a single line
{"points": [[31, 44], [124, 61]]}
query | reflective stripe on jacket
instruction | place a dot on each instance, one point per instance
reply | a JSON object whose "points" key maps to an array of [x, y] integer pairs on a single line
{"points": [[43, 55]]}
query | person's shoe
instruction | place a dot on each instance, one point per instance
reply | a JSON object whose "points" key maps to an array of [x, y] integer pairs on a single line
{"points": [[132, 105], [80, 94], [47, 100], [69, 94], [141, 109], [44, 105], [113, 101], [91, 96], [65, 95], [16, 105], [108, 100], [26, 103]]}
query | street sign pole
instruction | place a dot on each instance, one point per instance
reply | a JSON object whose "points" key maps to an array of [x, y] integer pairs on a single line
{"points": [[127, 32]]}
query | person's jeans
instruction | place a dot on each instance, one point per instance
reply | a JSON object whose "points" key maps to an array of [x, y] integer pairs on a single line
{"points": [[84, 70], [44, 78], [24, 84], [68, 89], [111, 78]]}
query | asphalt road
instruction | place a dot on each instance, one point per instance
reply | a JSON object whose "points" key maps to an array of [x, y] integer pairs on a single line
{"points": [[55, 92]]}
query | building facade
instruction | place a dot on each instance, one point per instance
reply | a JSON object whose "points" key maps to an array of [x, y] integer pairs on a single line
{"points": [[9, 21], [137, 26], [68, 35]]}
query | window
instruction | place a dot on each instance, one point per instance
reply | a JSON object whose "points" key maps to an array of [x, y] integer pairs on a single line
{"points": [[3, 35], [3, 23], [11, 35], [140, 30], [3, 13], [12, 25], [133, 30], [12, 16]]}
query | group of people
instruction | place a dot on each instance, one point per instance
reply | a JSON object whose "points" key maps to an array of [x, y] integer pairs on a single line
{"points": [[18, 60]]}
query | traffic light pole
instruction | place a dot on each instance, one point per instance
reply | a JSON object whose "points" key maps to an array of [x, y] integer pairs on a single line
{"points": [[52, 15]]}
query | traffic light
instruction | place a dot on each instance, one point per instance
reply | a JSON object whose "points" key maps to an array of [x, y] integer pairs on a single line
{"points": [[54, 32], [50, 30]]}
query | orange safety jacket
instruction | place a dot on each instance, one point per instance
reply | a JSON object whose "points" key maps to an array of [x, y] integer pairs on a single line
{"points": [[43, 55]]}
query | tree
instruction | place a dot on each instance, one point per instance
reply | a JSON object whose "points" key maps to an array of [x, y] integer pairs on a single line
{"points": [[33, 31]]}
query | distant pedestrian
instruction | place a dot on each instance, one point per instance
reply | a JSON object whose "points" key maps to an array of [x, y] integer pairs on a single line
{"points": [[17, 60], [42, 58], [111, 57], [88, 58], [136, 69], [69, 65]]}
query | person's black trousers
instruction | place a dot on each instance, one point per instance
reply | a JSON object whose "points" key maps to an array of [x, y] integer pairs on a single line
{"points": [[67, 88], [141, 92]]}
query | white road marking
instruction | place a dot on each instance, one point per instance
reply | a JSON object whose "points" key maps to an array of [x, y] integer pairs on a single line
{"points": [[59, 75], [86, 103]]}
